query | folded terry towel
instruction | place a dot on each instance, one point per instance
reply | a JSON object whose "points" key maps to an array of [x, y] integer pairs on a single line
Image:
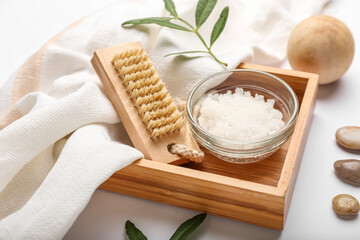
{"points": [[61, 137]]}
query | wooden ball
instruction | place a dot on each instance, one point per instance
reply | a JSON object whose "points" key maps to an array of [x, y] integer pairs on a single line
{"points": [[321, 44]]}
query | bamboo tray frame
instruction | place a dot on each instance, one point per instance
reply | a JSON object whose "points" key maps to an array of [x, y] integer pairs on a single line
{"points": [[257, 193]]}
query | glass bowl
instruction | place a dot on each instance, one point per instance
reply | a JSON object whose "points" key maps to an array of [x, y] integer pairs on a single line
{"points": [[268, 85]]}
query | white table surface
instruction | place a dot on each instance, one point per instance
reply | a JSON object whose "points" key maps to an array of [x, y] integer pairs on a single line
{"points": [[26, 25]]}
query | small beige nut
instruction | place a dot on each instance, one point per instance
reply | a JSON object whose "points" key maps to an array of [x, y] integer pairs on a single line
{"points": [[345, 204]]}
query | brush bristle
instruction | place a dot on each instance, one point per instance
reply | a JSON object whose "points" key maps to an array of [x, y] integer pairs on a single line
{"points": [[149, 94]]}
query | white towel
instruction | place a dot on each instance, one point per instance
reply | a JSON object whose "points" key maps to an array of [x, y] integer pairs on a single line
{"points": [[61, 137]]}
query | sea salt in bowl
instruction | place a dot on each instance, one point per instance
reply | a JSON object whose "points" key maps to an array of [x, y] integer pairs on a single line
{"points": [[240, 143]]}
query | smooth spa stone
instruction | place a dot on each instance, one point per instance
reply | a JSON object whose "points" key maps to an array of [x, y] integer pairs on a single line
{"points": [[345, 204], [348, 170], [349, 137]]}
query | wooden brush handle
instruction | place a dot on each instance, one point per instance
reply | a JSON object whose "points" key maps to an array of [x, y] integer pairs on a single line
{"points": [[155, 149]]}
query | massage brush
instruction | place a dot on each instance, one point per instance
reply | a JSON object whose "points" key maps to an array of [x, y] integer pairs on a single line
{"points": [[152, 120]]}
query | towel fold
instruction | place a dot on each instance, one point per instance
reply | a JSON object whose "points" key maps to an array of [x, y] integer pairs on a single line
{"points": [[61, 137]]}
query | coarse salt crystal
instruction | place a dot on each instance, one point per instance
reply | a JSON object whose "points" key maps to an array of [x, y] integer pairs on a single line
{"points": [[239, 115]]}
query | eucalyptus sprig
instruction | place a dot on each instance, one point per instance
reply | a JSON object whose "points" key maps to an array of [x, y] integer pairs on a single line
{"points": [[181, 233], [203, 10]]}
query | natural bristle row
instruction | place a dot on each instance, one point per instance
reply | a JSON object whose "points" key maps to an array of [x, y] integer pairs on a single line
{"points": [[149, 94]]}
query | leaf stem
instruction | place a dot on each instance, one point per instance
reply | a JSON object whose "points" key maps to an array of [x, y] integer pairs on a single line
{"points": [[216, 59], [195, 30], [182, 20], [185, 52], [202, 40]]}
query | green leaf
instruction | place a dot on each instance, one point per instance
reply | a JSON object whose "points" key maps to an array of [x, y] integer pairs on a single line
{"points": [[203, 10], [170, 6], [185, 52], [219, 25], [188, 227], [162, 21], [133, 232]]}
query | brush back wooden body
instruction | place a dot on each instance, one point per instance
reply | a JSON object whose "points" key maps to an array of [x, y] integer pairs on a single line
{"points": [[153, 147]]}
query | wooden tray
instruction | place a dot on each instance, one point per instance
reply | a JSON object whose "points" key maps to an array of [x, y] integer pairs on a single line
{"points": [[257, 193]]}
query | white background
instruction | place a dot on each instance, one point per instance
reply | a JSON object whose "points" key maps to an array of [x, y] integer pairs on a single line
{"points": [[26, 25]]}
